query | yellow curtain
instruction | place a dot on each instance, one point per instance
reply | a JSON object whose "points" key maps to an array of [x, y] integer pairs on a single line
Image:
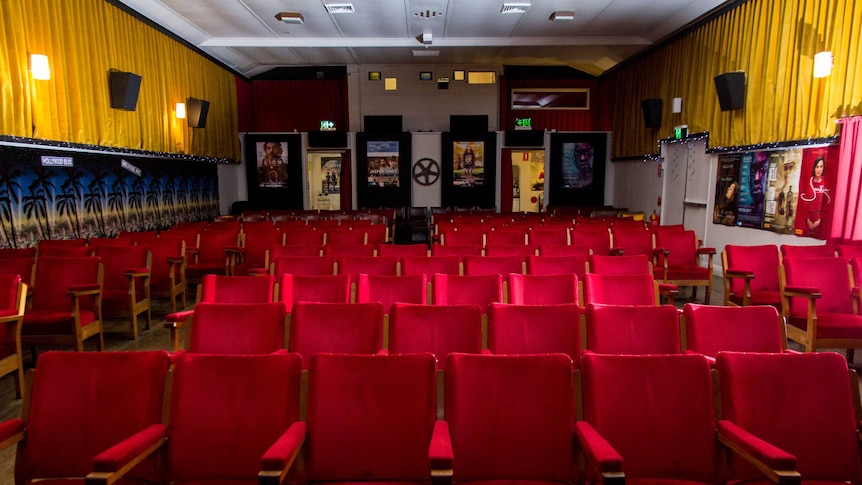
{"points": [[83, 40], [774, 42]]}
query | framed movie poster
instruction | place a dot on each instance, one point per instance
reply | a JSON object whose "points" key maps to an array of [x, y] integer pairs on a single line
{"points": [[726, 190], [274, 170], [469, 169], [816, 191], [577, 166], [382, 160], [383, 170]]}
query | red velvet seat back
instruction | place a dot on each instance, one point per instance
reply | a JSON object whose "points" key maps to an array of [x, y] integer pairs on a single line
{"points": [[629, 329], [84, 402], [428, 265], [801, 403], [372, 265], [555, 235], [597, 240], [392, 289], [350, 328], [762, 260], [681, 244], [303, 265], [797, 251], [418, 249], [237, 328], [370, 418], [535, 329], [463, 237], [20, 266], [501, 265], [506, 236], [511, 417], [304, 251], [9, 294], [303, 235], [633, 241], [354, 250], [656, 411], [463, 290], [512, 250], [54, 276], [226, 411], [119, 259], [16, 253], [237, 289], [459, 250], [620, 265], [211, 245], [633, 289], [547, 265], [564, 250], [439, 330], [162, 248], [344, 235], [711, 329], [543, 289], [323, 289], [256, 244], [829, 275]]}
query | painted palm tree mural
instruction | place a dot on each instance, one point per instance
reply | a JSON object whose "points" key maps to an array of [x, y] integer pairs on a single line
{"points": [[96, 196]]}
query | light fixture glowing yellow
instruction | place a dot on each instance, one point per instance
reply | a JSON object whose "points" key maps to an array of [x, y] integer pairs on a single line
{"points": [[39, 67], [822, 64], [181, 111]]}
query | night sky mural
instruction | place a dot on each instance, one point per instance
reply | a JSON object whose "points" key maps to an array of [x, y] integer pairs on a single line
{"points": [[54, 194]]}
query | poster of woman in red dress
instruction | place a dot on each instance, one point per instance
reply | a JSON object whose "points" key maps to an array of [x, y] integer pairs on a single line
{"points": [[816, 183]]}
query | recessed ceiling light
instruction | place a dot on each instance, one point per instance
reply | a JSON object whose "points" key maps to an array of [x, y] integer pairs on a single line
{"points": [[510, 7], [425, 53], [290, 17], [339, 7], [562, 15]]}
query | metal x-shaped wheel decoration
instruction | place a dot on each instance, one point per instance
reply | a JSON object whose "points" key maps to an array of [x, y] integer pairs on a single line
{"points": [[426, 171]]}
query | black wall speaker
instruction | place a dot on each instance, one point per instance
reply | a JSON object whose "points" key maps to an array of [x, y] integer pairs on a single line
{"points": [[652, 112], [124, 89], [196, 112], [730, 87]]}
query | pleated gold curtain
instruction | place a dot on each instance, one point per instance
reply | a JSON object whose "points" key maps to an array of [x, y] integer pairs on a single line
{"points": [[83, 40], [774, 42]]}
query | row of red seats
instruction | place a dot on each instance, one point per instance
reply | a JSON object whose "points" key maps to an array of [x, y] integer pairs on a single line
{"points": [[362, 328], [377, 418]]}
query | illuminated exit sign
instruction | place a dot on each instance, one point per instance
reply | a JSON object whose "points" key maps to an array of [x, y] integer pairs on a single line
{"points": [[523, 123], [326, 125], [680, 132]]}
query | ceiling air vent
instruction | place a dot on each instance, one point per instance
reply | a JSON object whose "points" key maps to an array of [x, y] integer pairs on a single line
{"points": [[339, 7], [514, 8]]}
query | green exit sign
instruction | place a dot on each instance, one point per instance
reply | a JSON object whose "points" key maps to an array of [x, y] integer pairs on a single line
{"points": [[326, 125], [523, 123], [680, 132]]}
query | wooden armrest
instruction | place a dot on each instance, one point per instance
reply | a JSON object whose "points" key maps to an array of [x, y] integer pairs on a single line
{"points": [[81, 290], [705, 250], [11, 432], [137, 272], [113, 463], [802, 291], [440, 454], [739, 273], [600, 455], [279, 458], [778, 465], [176, 259]]}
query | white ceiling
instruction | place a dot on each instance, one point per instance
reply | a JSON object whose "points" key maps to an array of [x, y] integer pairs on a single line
{"points": [[245, 35]]}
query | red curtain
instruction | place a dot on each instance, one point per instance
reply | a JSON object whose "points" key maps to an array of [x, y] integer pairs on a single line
{"points": [[298, 105], [846, 222]]}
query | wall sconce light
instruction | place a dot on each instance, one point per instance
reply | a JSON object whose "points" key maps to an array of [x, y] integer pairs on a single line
{"points": [[181, 111], [822, 64], [39, 67]]}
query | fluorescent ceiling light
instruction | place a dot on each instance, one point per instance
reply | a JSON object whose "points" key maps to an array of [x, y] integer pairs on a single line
{"points": [[510, 7], [562, 15], [339, 7], [425, 53], [290, 17]]}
